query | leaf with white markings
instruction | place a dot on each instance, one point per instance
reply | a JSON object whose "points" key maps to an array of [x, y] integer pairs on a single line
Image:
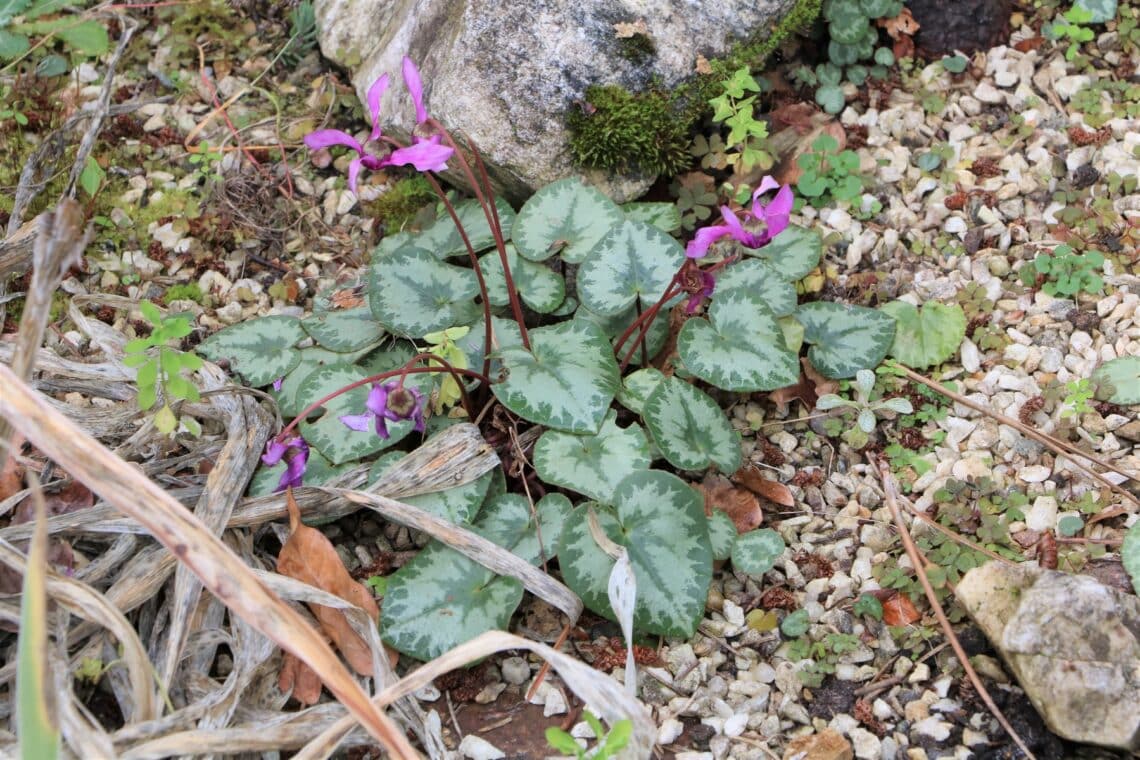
{"points": [[634, 260], [540, 287], [664, 216], [592, 464], [443, 240], [845, 339], [344, 330], [413, 293], [758, 279], [458, 505], [565, 218], [756, 551], [614, 326], [690, 428], [566, 381], [636, 387], [739, 347], [793, 254], [661, 522], [262, 350], [722, 534]]}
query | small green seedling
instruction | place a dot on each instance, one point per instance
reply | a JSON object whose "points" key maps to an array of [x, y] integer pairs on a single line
{"points": [[867, 409], [1066, 273], [1072, 29], [609, 743], [828, 173], [163, 368], [1079, 393], [746, 133]]}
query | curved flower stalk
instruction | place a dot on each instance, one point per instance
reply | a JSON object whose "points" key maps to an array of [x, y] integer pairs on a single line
{"points": [[773, 215], [424, 154]]}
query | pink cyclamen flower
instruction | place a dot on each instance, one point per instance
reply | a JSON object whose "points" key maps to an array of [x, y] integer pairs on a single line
{"points": [[773, 215], [415, 89], [295, 452], [386, 403]]}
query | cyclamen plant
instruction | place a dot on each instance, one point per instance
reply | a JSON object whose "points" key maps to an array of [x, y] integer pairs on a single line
{"points": [[426, 342]]}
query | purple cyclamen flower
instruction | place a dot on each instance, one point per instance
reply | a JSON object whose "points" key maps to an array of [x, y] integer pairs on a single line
{"points": [[386, 403], [415, 89], [701, 288], [773, 215], [278, 383], [295, 452]]}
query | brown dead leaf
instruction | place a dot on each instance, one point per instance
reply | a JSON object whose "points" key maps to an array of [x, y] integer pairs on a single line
{"points": [[299, 680], [811, 386], [903, 47], [72, 497], [311, 558], [12, 474], [703, 65], [902, 25], [1029, 44], [752, 479], [798, 116], [625, 29], [788, 171], [740, 504], [349, 298], [898, 609]]}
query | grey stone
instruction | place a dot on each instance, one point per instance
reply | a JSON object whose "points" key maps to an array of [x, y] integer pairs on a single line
{"points": [[506, 74], [1072, 643]]}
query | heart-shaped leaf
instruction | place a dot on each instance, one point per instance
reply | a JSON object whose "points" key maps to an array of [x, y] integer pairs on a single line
{"points": [[504, 333], [689, 428], [927, 336], [592, 464], [413, 293], [457, 505], [661, 522], [312, 359], [442, 599], [443, 240], [636, 387], [758, 279], [793, 254], [260, 349], [756, 551], [344, 330], [332, 437], [722, 534], [739, 347], [566, 381], [633, 260], [614, 326], [1130, 555], [540, 287], [1118, 380], [565, 217], [845, 339], [664, 216]]}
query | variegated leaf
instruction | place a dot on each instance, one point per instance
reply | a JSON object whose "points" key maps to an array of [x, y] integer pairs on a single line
{"points": [[312, 359], [504, 333], [793, 254], [664, 216], [413, 293], [344, 330], [634, 260], [690, 429], [592, 464], [540, 287], [722, 534], [261, 350], [614, 326], [443, 240], [457, 505], [442, 599], [845, 339], [661, 522], [566, 381], [739, 347], [636, 387], [758, 279], [756, 551], [566, 218], [333, 438]]}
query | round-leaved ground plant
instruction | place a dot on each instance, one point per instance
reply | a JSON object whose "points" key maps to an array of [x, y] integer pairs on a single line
{"points": [[689, 428]]}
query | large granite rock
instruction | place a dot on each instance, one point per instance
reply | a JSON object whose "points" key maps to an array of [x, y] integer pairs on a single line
{"points": [[506, 73], [1072, 643]]}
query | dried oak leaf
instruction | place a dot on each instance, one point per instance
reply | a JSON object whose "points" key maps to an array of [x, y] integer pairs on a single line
{"points": [[1028, 44], [752, 479], [898, 609], [311, 558], [902, 25], [798, 116], [299, 680], [740, 504]]}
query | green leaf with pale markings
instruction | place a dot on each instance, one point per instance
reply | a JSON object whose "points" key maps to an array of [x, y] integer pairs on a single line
{"points": [[1118, 380], [690, 428], [756, 551], [739, 347], [260, 349], [758, 279], [793, 254], [565, 218], [636, 387], [412, 293], [344, 330], [722, 534], [442, 599], [664, 216], [925, 336], [539, 286], [614, 326], [443, 240], [566, 381], [661, 522], [632, 261], [845, 339], [592, 464]]}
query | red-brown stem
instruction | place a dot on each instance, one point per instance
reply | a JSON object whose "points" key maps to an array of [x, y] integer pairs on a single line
{"points": [[454, 374]]}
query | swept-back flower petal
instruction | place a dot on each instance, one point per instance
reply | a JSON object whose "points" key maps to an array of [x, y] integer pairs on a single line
{"points": [[777, 213], [425, 156], [326, 138], [415, 89], [354, 172], [357, 422], [295, 452], [375, 93], [705, 237]]}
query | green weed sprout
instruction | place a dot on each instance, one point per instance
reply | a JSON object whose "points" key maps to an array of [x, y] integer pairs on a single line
{"points": [[735, 111], [829, 174], [866, 408], [1071, 28], [1066, 273], [1076, 402], [163, 368], [609, 743]]}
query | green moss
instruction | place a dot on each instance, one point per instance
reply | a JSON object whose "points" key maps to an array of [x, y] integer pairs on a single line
{"points": [[637, 48], [184, 292], [651, 131], [399, 205]]}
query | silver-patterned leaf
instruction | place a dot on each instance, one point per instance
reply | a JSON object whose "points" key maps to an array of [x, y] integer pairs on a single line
{"points": [[756, 551], [690, 429], [458, 505], [636, 387], [539, 286], [566, 381], [660, 521], [565, 218], [344, 330], [413, 293], [793, 254], [722, 534], [592, 464], [443, 240], [664, 216], [260, 349], [312, 359], [614, 326], [845, 339], [758, 279], [632, 261], [739, 347]]}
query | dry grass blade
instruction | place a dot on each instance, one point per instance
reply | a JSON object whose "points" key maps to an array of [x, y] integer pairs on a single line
{"points": [[602, 694], [919, 563], [219, 569], [472, 545]]}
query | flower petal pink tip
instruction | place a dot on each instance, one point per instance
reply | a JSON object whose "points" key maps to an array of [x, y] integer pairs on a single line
{"points": [[375, 93], [424, 155], [415, 89], [774, 216]]}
